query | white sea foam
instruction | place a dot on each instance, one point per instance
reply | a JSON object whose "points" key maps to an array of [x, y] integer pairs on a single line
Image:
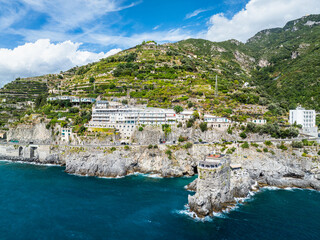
{"points": [[271, 188], [32, 163], [192, 215], [150, 175]]}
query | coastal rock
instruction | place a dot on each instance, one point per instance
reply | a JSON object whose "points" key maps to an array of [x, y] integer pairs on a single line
{"points": [[192, 186], [36, 133], [111, 165]]}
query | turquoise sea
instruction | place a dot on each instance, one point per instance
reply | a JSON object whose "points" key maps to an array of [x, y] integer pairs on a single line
{"points": [[42, 202]]}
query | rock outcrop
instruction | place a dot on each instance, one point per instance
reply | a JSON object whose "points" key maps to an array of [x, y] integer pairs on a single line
{"points": [[280, 169], [36, 133]]}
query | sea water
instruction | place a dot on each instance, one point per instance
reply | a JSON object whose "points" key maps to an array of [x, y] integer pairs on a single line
{"points": [[43, 202]]}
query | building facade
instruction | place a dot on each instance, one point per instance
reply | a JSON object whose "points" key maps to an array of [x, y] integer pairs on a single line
{"points": [[305, 118], [217, 122]]}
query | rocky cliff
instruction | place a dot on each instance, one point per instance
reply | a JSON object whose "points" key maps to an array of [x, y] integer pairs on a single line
{"points": [[108, 162], [35, 132], [280, 169]]}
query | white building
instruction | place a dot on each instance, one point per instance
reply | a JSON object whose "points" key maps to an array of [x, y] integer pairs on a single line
{"points": [[305, 118], [259, 121], [72, 99], [217, 122], [66, 134], [125, 119]]}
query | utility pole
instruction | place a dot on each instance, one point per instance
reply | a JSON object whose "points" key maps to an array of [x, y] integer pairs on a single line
{"points": [[216, 87]]}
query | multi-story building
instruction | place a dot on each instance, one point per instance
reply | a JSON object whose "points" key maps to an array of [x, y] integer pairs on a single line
{"points": [[66, 134], [125, 119], [305, 118], [217, 122]]}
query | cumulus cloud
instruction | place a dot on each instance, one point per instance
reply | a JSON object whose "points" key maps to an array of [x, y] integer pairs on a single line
{"points": [[258, 15], [43, 57]]}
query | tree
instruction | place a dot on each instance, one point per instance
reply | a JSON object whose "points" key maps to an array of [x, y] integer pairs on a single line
{"points": [[82, 129], [92, 80], [178, 109], [243, 135], [196, 115], [203, 126], [41, 100]]}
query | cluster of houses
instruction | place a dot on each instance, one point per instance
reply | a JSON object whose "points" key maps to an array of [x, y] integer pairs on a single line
{"points": [[72, 99], [125, 118]]}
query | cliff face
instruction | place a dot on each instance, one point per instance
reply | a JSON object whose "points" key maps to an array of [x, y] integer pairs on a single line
{"points": [[258, 169], [36, 133], [107, 163]]}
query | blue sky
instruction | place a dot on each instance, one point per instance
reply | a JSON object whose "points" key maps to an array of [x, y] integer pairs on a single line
{"points": [[47, 36], [32, 20]]}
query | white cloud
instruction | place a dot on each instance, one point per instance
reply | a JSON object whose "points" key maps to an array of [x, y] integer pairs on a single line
{"points": [[258, 15], [70, 14], [196, 13], [43, 57]]}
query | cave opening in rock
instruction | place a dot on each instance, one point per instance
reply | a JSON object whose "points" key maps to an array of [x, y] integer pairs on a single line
{"points": [[20, 151], [195, 169]]}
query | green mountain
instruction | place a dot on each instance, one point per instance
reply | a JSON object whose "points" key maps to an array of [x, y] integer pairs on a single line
{"points": [[275, 70], [290, 62]]}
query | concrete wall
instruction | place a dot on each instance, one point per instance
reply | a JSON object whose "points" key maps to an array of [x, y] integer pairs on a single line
{"points": [[26, 151]]}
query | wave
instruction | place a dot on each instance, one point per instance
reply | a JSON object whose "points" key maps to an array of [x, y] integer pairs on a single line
{"points": [[192, 215], [149, 175], [32, 163]]}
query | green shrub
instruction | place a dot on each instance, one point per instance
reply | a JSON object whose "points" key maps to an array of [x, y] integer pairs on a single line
{"points": [[304, 154], [169, 153], [190, 123], [265, 149], [150, 146], [126, 147], [155, 146], [188, 145], [182, 139], [179, 125], [255, 145], [268, 143], [178, 109], [245, 145], [282, 147], [140, 129], [297, 144], [243, 135], [113, 149], [203, 126], [258, 150], [319, 153], [229, 151]]}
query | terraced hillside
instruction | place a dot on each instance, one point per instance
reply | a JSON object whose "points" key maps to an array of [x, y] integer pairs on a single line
{"points": [[18, 96], [275, 70]]}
